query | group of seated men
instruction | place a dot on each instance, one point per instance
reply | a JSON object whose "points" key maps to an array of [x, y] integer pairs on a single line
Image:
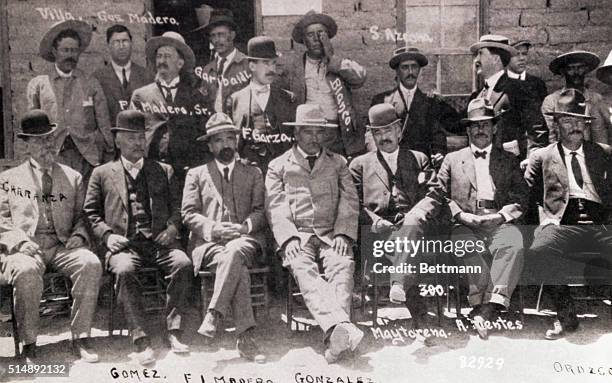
{"points": [[312, 192]]}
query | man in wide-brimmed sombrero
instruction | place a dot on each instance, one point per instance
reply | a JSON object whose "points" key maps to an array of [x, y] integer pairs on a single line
{"points": [[174, 109], [73, 100], [322, 77], [574, 66]]}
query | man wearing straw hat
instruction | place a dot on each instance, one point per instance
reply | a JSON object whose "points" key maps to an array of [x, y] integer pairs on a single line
{"points": [[313, 208], [574, 66], [571, 180], [175, 112], [43, 226], [133, 206], [260, 109], [223, 207], [73, 100], [321, 77], [424, 119], [228, 71], [484, 188]]}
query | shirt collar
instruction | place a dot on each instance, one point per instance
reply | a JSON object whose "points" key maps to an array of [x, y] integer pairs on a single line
{"points": [[228, 58], [119, 68], [492, 81], [35, 165], [579, 151], [171, 84], [259, 87], [486, 149], [304, 154], [406, 90], [518, 76], [138, 164], [221, 166], [63, 74], [390, 156]]}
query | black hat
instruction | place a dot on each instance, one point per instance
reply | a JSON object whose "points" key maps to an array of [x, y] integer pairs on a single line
{"points": [[130, 121], [261, 48], [35, 123], [311, 17], [219, 16], [590, 60]]}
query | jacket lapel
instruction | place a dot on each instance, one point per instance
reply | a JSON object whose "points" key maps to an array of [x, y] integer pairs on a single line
{"points": [[496, 168], [215, 177], [381, 173], [559, 165], [118, 177], [468, 167], [595, 168], [301, 161]]}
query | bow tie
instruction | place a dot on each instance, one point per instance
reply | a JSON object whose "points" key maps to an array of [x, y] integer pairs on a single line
{"points": [[167, 88], [481, 154], [132, 166], [262, 90]]}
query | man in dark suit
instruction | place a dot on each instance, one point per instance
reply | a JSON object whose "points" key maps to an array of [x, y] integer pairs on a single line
{"points": [[133, 206], [174, 109], [121, 76], [424, 119], [572, 181], [486, 193], [517, 69], [223, 207], [260, 109], [390, 182]]}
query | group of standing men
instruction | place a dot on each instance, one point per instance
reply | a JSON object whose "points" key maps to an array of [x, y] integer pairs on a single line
{"points": [[245, 151]]}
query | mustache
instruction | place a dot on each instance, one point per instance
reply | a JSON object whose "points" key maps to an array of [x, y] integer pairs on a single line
{"points": [[270, 73], [70, 60], [162, 66], [386, 142], [226, 154]]}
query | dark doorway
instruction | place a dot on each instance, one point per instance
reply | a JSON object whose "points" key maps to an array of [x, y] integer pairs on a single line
{"points": [[184, 12]]}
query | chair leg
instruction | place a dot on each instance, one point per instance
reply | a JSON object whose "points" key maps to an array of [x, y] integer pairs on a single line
{"points": [[539, 297], [521, 303], [16, 338], [266, 292], [289, 302], [111, 308]]}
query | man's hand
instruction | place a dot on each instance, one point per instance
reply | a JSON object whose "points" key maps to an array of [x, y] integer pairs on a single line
{"points": [[524, 164], [341, 245], [115, 243], [75, 242], [328, 49], [468, 219], [225, 231], [29, 248], [436, 160], [293, 248], [491, 221], [383, 226], [167, 236]]}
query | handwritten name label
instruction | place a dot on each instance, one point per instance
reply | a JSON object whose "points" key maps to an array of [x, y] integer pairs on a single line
{"points": [[499, 324], [25, 193], [152, 107], [392, 34], [227, 379], [579, 369], [400, 335], [308, 378], [58, 14], [241, 78]]}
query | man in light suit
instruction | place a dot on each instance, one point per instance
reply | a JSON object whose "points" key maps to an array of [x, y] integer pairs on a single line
{"points": [[312, 207], [390, 182], [133, 206], [223, 207], [43, 227], [121, 76], [572, 181], [261, 108], [486, 193]]}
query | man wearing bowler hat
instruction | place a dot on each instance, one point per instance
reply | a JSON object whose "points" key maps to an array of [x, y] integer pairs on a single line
{"points": [[223, 207], [228, 71], [321, 77], [42, 226], [571, 180], [424, 119], [574, 66], [260, 109], [313, 208], [133, 206], [484, 188], [72, 100]]}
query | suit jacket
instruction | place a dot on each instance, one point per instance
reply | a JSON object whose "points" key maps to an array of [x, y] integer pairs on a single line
{"points": [[602, 132], [301, 203], [106, 203], [20, 192], [457, 183], [279, 109], [117, 97], [428, 118], [547, 178], [292, 78], [203, 206], [373, 187]]}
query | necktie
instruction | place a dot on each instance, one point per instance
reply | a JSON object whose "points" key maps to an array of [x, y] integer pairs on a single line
{"points": [[168, 93], [124, 82], [47, 183], [226, 174], [576, 170], [311, 161], [221, 66], [481, 154]]}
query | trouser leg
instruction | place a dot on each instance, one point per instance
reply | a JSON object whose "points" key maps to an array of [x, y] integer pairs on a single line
{"points": [[179, 270]]}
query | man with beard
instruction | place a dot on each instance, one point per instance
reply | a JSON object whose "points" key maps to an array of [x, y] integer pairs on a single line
{"points": [[228, 71], [133, 206], [320, 77], [44, 227], [574, 66], [223, 207], [174, 110], [313, 208], [260, 109], [121, 75], [571, 179], [424, 119], [72, 99]]}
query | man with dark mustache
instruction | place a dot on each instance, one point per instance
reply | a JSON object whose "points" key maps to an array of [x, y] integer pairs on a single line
{"points": [[424, 119], [73, 100], [260, 109], [574, 66], [223, 207], [572, 182]]}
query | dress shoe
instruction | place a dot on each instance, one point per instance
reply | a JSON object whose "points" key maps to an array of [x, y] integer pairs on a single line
{"points": [[82, 347], [248, 349], [559, 330], [29, 352], [345, 336], [397, 294], [144, 352], [175, 344], [210, 324]]}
